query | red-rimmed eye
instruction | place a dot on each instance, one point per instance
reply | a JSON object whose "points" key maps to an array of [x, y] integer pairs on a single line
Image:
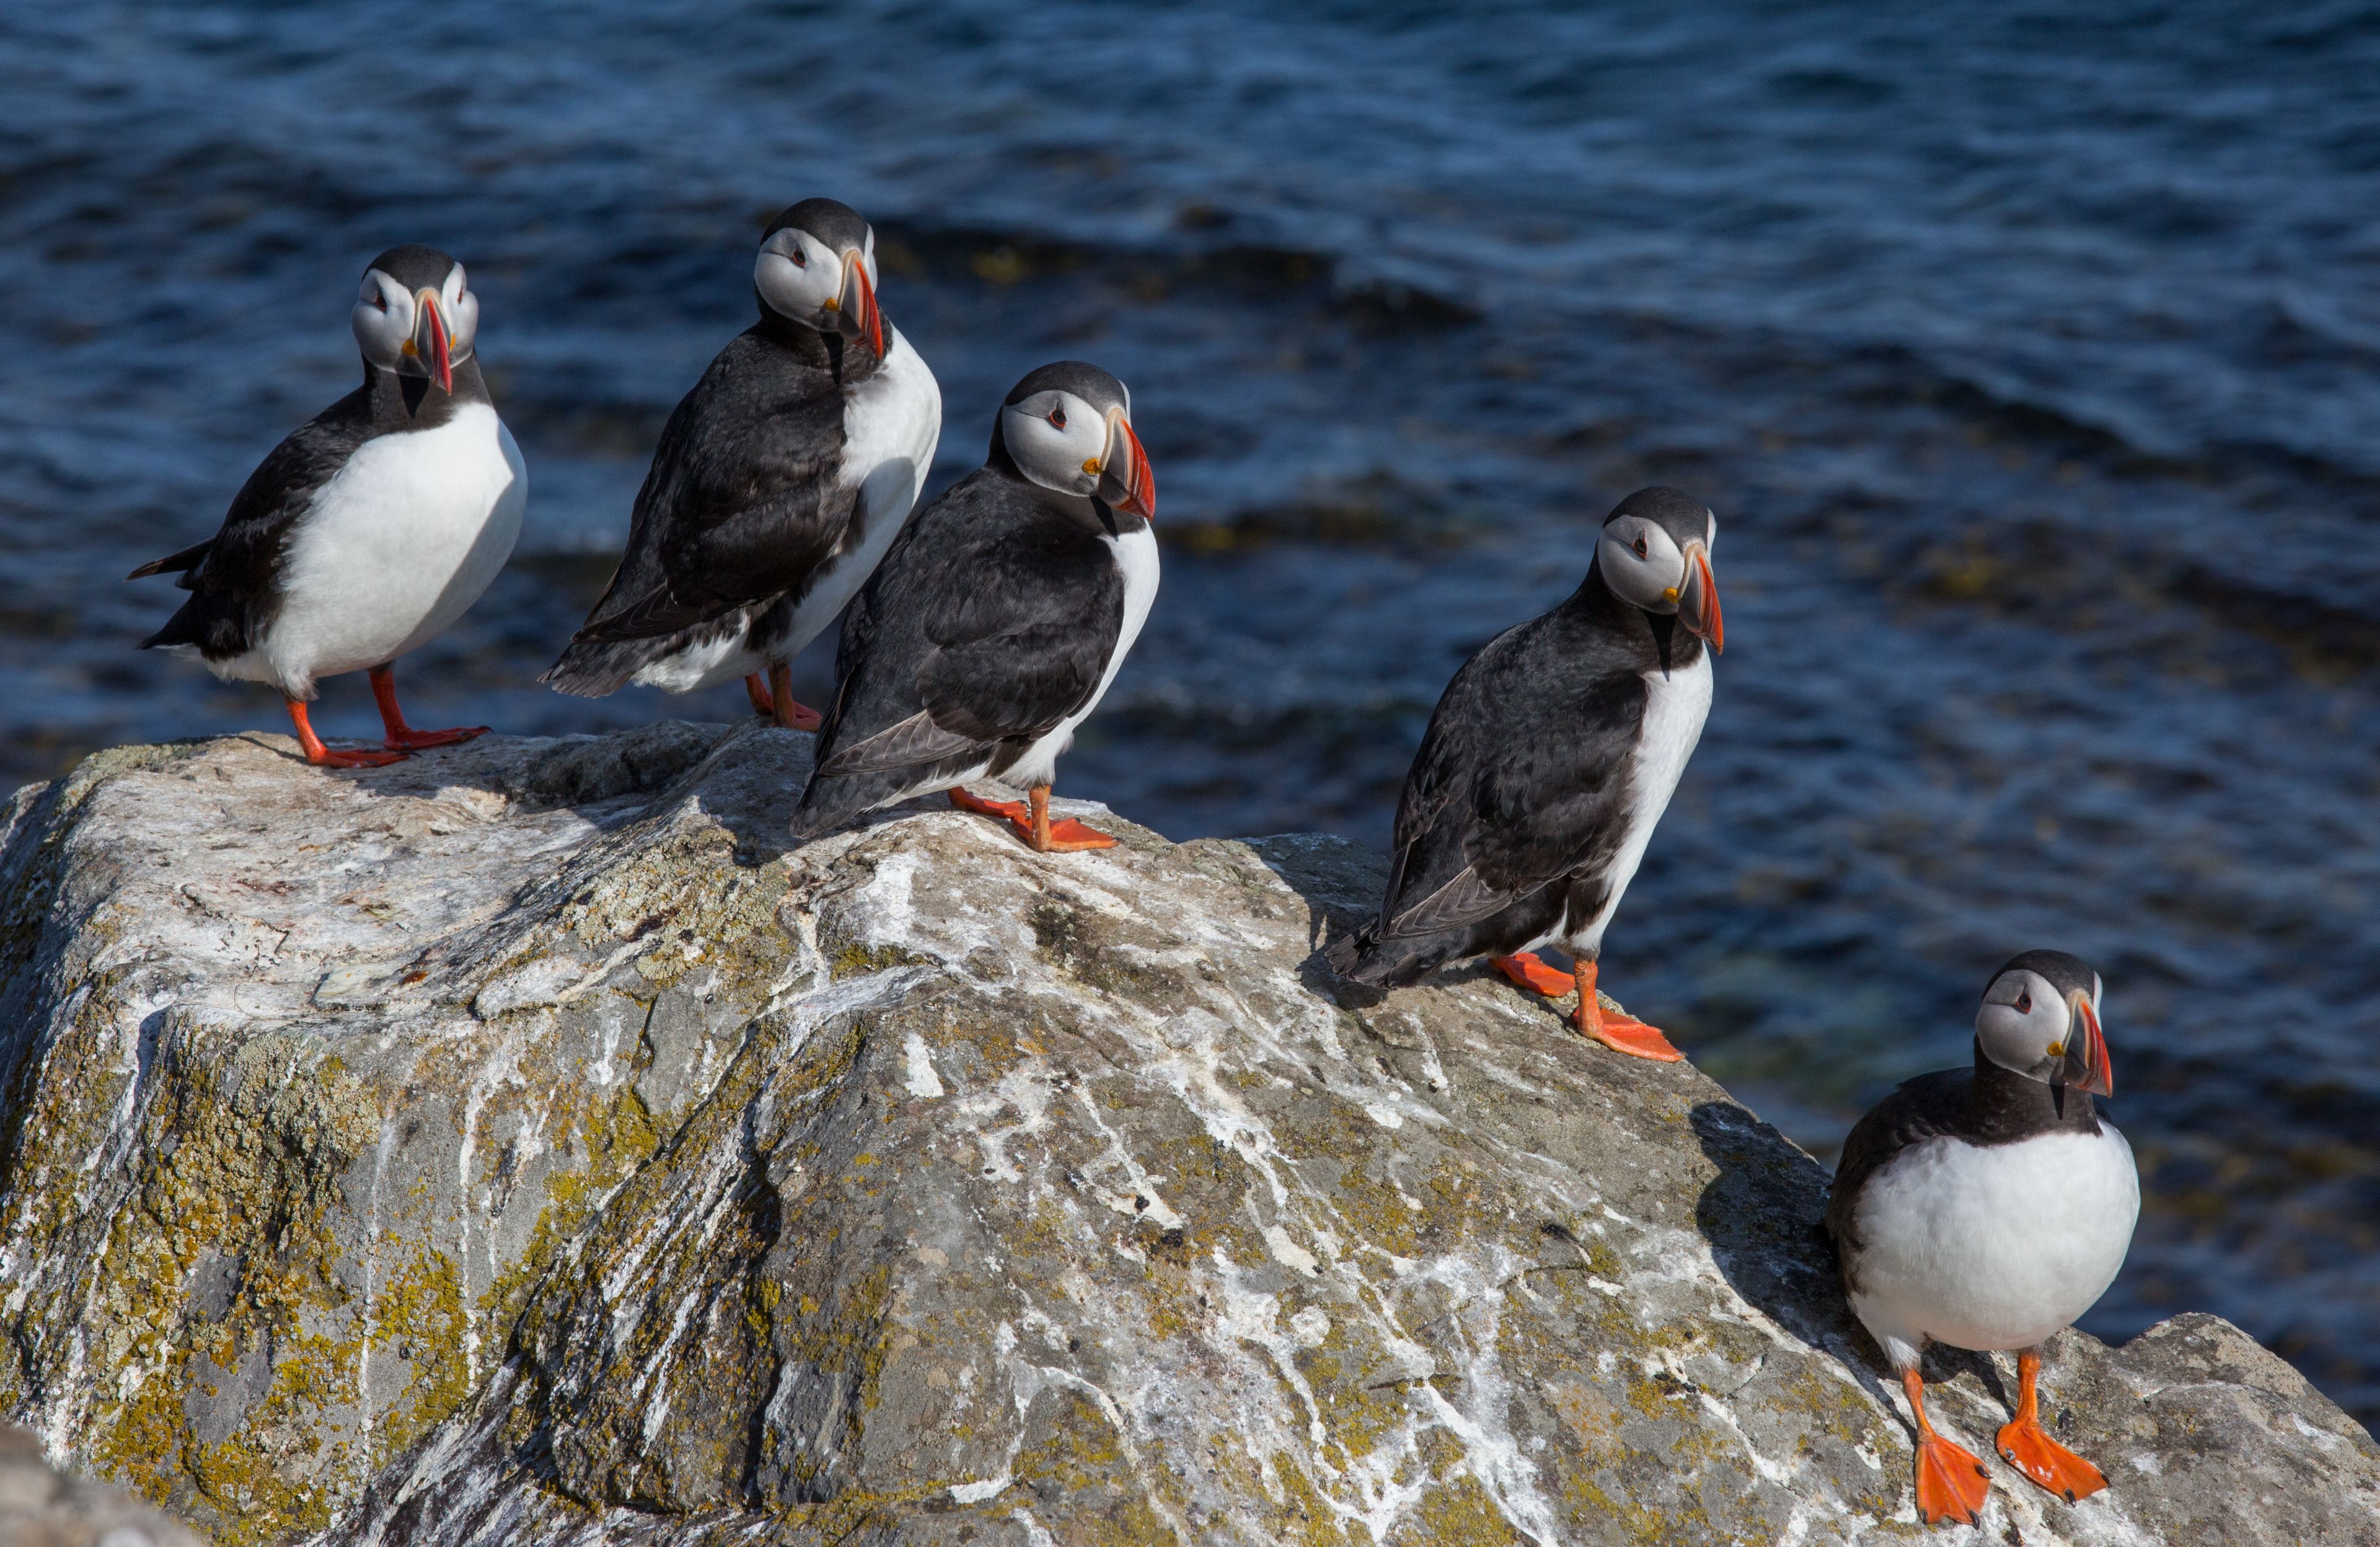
{"points": [[801, 259], [2024, 1004], [1058, 417], [1639, 546]]}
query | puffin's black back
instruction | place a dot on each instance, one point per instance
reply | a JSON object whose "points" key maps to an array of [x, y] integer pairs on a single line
{"points": [[990, 621], [1519, 795], [740, 508]]}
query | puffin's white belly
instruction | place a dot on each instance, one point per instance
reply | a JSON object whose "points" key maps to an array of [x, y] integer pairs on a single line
{"points": [[397, 545], [1992, 1245], [890, 425], [1136, 555], [1676, 704]]}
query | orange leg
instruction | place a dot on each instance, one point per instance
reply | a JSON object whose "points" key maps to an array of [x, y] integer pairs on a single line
{"points": [[792, 715], [2027, 1447], [403, 738], [756, 687], [1951, 1484], [1616, 1028], [1033, 824], [322, 756]]}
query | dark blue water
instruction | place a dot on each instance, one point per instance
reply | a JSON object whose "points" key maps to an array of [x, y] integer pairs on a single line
{"points": [[2032, 360]]}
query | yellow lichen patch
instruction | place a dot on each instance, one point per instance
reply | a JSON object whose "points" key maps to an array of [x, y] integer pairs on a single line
{"points": [[1080, 1456], [420, 1312], [1456, 1513]]}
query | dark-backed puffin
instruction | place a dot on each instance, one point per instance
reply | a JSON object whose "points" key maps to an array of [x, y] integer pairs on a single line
{"points": [[997, 622], [1987, 1208], [779, 483], [374, 526], [1548, 762]]}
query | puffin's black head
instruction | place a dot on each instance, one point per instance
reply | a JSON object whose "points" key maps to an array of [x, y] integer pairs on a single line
{"points": [[416, 315], [817, 267], [1656, 555], [2040, 1018], [1068, 429]]}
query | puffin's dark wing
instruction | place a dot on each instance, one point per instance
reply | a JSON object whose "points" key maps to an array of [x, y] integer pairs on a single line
{"points": [[1921, 1109], [988, 622], [1513, 788], [743, 502], [234, 576]]}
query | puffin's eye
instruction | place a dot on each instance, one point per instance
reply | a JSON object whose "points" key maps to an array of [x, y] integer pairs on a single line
{"points": [[2024, 1003], [801, 259], [1058, 417], [1639, 546]]}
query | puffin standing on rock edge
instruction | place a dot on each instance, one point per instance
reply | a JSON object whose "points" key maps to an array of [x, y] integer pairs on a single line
{"points": [[373, 526], [999, 619], [1546, 765], [779, 483], [1988, 1208]]}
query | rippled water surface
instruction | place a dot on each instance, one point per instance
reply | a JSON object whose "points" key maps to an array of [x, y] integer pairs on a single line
{"points": [[2031, 361]]}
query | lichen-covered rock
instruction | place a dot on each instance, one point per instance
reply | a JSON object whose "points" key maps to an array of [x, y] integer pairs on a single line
{"points": [[39, 1508], [520, 1145]]}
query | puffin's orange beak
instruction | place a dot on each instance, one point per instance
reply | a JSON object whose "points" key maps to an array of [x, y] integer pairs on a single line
{"points": [[1699, 607], [2087, 1067], [1125, 482], [430, 341], [857, 305]]}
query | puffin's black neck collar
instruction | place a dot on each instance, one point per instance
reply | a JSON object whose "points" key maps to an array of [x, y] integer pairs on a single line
{"points": [[2003, 1105]]}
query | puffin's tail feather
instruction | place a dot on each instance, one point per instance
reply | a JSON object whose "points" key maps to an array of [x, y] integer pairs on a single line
{"points": [[174, 564]]}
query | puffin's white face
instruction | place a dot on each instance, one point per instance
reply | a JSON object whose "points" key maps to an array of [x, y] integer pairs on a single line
{"points": [[424, 333], [2025, 1025], [803, 280], [1647, 567], [1062, 443]]}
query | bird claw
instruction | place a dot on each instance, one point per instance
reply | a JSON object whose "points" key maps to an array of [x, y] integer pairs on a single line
{"points": [[1622, 1033]]}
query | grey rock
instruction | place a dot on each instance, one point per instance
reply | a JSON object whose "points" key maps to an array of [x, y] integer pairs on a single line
{"points": [[520, 1145]]}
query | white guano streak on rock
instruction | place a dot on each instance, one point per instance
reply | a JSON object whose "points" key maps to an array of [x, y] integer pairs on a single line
{"points": [[917, 1074]]}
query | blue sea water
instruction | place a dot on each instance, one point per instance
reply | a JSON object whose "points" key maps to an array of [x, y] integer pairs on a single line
{"points": [[2031, 355]]}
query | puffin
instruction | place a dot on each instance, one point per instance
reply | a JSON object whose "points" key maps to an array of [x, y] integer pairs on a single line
{"points": [[1987, 1208], [373, 526], [779, 483], [1545, 769], [999, 619]]}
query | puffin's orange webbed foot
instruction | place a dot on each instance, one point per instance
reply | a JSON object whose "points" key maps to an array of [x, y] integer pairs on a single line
{"points": [[2028, 1447], [322, 756], [1603, 1020], [783, 707], [326, 758], [410, 740], [400, 736], [2025, 1445], [1622, 1033], [1068, 836], [1530, 973], [1951, 1484]]}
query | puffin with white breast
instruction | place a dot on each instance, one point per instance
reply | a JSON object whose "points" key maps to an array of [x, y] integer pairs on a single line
{"points": [[779, 483], [1546, 765], [1000, 619], [373, 526], [1987, 1208]]}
